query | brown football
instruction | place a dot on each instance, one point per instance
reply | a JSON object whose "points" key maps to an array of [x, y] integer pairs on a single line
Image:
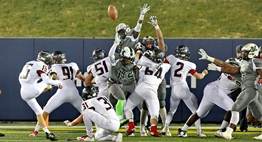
{"points": [[112, 12]]}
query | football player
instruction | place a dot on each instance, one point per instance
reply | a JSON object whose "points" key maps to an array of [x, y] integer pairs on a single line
{"points": [[122, 81], [31, 73], [66, 73], [215, 93], [99, 71], [180, 67], [129, 37], [150, 44], [100, 111], [150, 76], [250, 68]]}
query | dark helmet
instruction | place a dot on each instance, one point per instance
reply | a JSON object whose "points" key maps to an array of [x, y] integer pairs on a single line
{"points": [[148, 42], [88, 93], [239, 47], [45, 57], [182, 52], [159, 58], [98, 54], [59, 57]]}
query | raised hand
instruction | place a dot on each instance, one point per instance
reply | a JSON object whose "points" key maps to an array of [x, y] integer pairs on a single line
{"points": [[144, 9], [203, 54], [153, 20], [212, 67]]}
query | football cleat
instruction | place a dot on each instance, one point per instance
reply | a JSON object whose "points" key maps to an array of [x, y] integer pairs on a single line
{"points": [[85, 138], [143, 134], [33, 134], [51, 137], [165, 131], [227, 135], [2, 135], [181, 133], [119, 137], [258, 137], [131, 128], [201, 134], [153, 131], [218, 133]]}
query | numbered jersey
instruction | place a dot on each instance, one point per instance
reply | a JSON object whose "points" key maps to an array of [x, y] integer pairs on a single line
{"points": [[100, 72], [101, 105], [248, 72], [66, 73], [31, 72], [179, 69], [227, 83], [151, 76]]}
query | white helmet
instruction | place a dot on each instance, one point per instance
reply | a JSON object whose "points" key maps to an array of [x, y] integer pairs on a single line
{"points": [[121, 26], [252, 50], [127, 52]]}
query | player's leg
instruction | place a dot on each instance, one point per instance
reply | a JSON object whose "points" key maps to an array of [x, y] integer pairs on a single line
{"points": [[161, 93], [133, 100], [119, 94], [244, 98], [153, 108], [88, 124]]}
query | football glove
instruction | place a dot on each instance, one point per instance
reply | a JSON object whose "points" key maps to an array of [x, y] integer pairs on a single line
{"points": [[153, 20], [144, 9]]}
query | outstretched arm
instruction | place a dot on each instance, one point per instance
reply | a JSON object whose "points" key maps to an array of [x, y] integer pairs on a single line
{"points": [[160, 39], [225, 67], [143, 11]]}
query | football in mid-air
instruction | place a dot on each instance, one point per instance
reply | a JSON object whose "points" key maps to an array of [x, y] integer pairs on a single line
{"points": [[112, 12]]}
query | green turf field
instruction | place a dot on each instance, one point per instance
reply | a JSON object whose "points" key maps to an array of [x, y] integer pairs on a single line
{"points": [[18, 132]]}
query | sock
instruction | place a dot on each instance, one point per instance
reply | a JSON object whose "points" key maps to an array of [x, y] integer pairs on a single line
{"points": [[185, 127], [37, 128], [223, 125], [119, 107], [46, 130], [234, 117], [162, 113]]}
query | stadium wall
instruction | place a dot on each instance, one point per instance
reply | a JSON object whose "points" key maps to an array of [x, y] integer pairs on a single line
{"points": [[15, 52]]}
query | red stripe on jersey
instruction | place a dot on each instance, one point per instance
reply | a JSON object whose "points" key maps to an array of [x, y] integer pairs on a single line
{"points": [[39, 72], [192, 72], [77, 72]]}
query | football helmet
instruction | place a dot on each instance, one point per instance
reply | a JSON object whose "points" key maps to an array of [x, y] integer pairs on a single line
{"points": [[149, 54], [148, 42], [98, 54], [127, 53], [159, 58], [59, 57], [249, 51], [45, 57], [182, 52], [88, 93], [122, 29]]}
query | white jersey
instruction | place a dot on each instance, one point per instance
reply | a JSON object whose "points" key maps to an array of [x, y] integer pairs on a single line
{"points": [[101, 105], [31, 71], [151, 76], [66, 73], [226, 83], [179, 69], [100, 71]]}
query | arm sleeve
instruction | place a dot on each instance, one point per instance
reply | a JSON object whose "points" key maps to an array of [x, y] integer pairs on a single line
{"points": [[49, 81], [111, 54]]}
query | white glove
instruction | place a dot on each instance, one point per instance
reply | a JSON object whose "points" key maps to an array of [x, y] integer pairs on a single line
{"points": [[68, 123], [153, 20], [204, 55], [144, 9], [212, 67]]}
